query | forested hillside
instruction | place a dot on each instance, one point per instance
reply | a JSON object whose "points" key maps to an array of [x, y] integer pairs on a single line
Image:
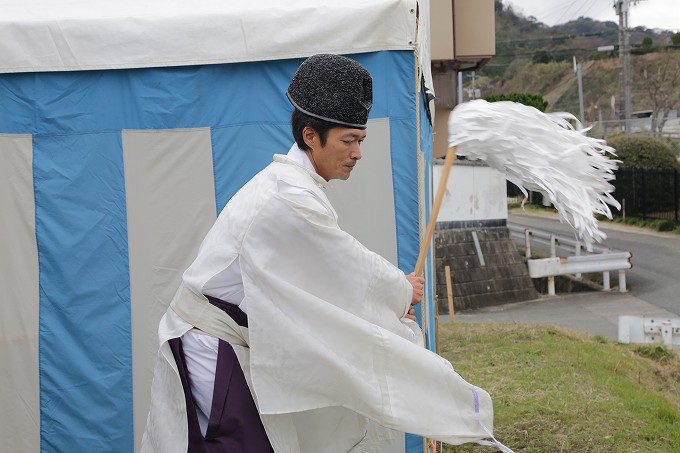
{"points": [[533, 57]]}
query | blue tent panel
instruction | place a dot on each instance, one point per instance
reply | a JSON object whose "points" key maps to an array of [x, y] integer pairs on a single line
{"points": [[76, 120], [85, 334]]}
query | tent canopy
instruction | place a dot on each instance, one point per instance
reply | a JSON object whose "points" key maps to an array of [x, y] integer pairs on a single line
{"points": [[44, 35]]}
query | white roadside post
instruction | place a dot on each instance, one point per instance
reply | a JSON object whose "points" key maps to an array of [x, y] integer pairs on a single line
{"points": [[553, 253]]}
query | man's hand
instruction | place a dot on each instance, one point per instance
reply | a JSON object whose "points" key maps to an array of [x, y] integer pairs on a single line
{"points": [[417, 283]]}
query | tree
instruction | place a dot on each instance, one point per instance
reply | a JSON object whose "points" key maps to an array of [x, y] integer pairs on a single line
{"points": [[647, 44], [530, 99], [676, 39], [659, 78], [542, 56], [642, 152]]}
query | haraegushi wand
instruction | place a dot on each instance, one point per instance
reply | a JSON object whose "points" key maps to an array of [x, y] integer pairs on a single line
{"points": [[536, 151]]}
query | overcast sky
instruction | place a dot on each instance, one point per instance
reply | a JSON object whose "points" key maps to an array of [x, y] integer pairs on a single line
{"points": [[663, 14]]}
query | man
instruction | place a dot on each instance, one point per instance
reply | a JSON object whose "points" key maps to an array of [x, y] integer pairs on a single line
{"points": [[286, 333]]}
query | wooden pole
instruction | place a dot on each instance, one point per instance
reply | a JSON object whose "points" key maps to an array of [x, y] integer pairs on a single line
{"points": [[441, 190], [436, 324], [425, 244], [449, 292]]}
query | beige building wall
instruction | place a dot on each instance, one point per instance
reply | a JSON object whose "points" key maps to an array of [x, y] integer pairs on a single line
{"points": [[474, 28], [463, 38], [463, 31]]}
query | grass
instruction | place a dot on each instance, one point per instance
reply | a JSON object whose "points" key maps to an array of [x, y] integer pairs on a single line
{"points": [[653, 224], [558, 391]]}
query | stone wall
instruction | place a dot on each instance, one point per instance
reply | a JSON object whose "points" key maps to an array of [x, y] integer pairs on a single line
{"points": [[502, 279]]}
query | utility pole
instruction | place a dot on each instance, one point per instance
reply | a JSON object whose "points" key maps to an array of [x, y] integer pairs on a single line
{"points": [[474, 96], [622, 8], [460, 87], [579, 80]]}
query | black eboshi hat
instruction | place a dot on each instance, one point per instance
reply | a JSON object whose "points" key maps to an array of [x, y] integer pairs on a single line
{"points": [[332, 88]]}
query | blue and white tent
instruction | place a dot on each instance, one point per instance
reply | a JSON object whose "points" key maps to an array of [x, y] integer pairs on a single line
{"points": [[125, 127]]}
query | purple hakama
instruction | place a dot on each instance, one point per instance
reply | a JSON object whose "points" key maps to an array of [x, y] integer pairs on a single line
{"points": [[234, 424]]}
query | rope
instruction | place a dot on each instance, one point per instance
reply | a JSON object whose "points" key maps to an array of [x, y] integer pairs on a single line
{"points": [[494, 442], [421, 176], [421, 195]]}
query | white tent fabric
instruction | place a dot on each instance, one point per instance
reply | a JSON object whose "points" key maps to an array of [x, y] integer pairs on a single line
{"points": [[18, 297], [74, 35], [43, 35]]}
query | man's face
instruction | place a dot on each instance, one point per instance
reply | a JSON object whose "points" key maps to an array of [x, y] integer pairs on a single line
{"points": [[338, 157]]}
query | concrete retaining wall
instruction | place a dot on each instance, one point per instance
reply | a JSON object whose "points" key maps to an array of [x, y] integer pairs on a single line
{"points": [[503, 278]]}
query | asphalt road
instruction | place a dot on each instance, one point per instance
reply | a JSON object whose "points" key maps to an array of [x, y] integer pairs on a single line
{"points": [[655, 276]]}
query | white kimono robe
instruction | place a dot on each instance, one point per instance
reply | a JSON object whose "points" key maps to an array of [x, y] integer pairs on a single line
{"points": [[327, 345]]}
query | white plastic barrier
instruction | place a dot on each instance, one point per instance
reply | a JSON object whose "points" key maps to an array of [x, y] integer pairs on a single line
{"points": [[649, 329]]}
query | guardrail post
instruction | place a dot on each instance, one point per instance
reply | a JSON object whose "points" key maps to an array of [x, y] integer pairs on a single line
{"points": [[553, 248], [622, 281], [606, 286], [551, 285], [527, 240]]}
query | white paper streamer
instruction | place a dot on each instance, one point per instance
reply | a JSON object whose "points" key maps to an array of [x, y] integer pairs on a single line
{"points": [[541, 151]]}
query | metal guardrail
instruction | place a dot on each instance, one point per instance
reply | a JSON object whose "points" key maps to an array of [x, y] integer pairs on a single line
{"points": [[579, 264], [546, 237], [599, 259]]}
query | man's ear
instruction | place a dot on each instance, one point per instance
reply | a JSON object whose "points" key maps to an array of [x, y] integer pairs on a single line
{"points": [[310, 136]]}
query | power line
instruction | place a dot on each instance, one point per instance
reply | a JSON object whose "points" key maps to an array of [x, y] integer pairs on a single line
{"points": [[600, 10], [559, 52], [564, 12], [552, 51], [559, 37], [588, 8], [552, 11]]}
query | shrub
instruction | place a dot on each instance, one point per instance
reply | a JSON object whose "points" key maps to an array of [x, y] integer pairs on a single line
{"points": [[600, 339], [664, 225], [656, 352], [542, 56], [676, 39], [673, 144], [530, 99], [643, 152]]}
